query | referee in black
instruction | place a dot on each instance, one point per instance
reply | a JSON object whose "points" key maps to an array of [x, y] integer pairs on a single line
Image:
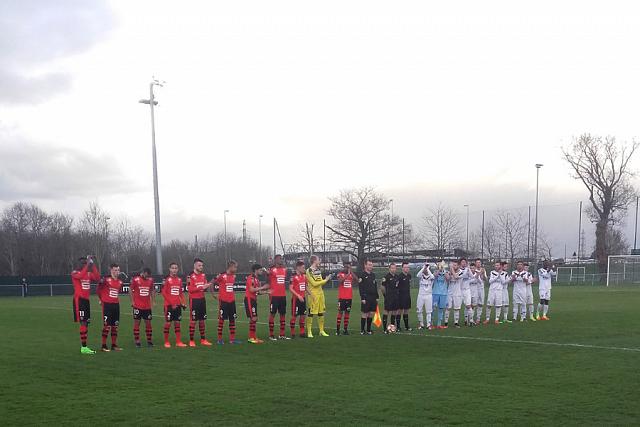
{"points": [[368, 288]]}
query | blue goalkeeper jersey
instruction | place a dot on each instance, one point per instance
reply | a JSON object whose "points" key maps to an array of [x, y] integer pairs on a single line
{"points": [[440, 285]]}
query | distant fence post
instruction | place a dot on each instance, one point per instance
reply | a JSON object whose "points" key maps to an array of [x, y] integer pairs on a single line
{"points": [[51, 289]]}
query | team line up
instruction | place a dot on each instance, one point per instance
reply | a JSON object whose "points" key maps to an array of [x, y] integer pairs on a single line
{"points": [[443, 288]]}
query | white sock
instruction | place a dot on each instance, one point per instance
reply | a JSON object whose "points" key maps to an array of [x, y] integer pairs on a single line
{"points": [[456, 316], [498, 310], [523, 311], [446, 315], [530, 308], [420, 318], [470, 314], [545, 309], [505, 312], [515, 312], [428, 319], [488, 313], [479, 313], [539, 308]]}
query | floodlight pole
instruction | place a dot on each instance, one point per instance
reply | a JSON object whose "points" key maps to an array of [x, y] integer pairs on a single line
{"points": [[535, 230], [156, 198]]}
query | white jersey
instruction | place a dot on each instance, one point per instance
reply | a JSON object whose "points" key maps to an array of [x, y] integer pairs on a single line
{"points": [[478, 278], [455, 283], [520, 280], [496, 280], [425, 278], [505, 280], [467, 277], [545, 277]]}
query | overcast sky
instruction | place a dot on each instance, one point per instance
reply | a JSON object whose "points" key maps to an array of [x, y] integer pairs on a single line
{"points": [[270, 107]]}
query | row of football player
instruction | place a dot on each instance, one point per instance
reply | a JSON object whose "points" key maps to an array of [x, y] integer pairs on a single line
{"points": [[305, 287], [461, 286]]}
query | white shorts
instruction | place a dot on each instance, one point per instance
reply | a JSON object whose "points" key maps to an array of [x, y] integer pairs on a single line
{"points": [[426, 302], [466, 297], [494, 299], [545, 293], [454, 301], [477, 295], [529, 295], [505, 297], [519, 295]]}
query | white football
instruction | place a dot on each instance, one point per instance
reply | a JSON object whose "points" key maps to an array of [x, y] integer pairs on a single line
{"points": [[391, 328]]}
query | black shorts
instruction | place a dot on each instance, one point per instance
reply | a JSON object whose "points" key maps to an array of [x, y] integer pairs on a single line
{"points": [[173, 314], [198, 309], [369, 305], [140, 313], [251, 307], [298, 308], [404, 302], [111, 313], [81, 310], [344, 305], [227, 310], [278, 305], [391, 303]]}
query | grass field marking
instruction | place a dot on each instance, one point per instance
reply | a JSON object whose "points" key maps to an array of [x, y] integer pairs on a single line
{"points": [[504, 340]]}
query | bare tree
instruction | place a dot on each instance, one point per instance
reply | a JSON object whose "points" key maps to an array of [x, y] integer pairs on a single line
{"points": [[94, 227], [441, 228], [491, 240], [308, 239], [362, 223], [512, 227], [603, 166]]}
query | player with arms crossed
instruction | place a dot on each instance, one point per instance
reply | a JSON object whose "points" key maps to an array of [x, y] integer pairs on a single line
{"points": [[494, 299], [545, 276], [477, 289], [277, 297], [174, 302], [227, 302], [425, 297], [317, 305], [196, 286], [81, 280], [346, 279], [108, 293], [253, 289], [389, 288], [142, 293], [298, 289], [368, 289]]}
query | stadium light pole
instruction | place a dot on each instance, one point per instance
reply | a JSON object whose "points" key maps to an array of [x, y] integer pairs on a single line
{"points": [[389, 234], [535, 227], [635, 230], [156, 198], [226, 250], [260, 237], [467, 248]]}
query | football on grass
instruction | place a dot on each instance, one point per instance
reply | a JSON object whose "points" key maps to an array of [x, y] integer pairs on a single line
{"points": [[391, 328]]}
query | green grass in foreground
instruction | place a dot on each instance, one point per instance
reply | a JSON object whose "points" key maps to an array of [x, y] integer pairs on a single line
{"points": [[485, 375]]}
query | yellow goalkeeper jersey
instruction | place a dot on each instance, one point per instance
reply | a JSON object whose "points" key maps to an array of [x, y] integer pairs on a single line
{"points": [[315, 282]]}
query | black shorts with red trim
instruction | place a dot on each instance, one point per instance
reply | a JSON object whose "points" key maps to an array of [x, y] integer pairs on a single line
{"points": [[142, 313], [227, 310], [111, 313], [344, 305], [278, 305], [81, 310], [298, 308], [251, 307], [198, 309], [173, 314]]}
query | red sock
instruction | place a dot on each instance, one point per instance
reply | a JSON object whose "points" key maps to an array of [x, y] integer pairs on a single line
{"points": [[302, 319], [282, 324], [83, 334], [167, 326], [105, 334], [192, 329], [232, 330], [220, 326], [292, 325], [338, 320], [201, 327], [136, 331], [252, 328], [114, 336], [271, 324], [148, 330], [176, 329], [346, 321]]}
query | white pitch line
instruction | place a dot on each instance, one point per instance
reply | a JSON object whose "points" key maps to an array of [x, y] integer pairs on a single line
{"points": [[456, 337]]}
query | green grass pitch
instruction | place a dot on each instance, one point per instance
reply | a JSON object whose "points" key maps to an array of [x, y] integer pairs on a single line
{"points": [[582, 367]]}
